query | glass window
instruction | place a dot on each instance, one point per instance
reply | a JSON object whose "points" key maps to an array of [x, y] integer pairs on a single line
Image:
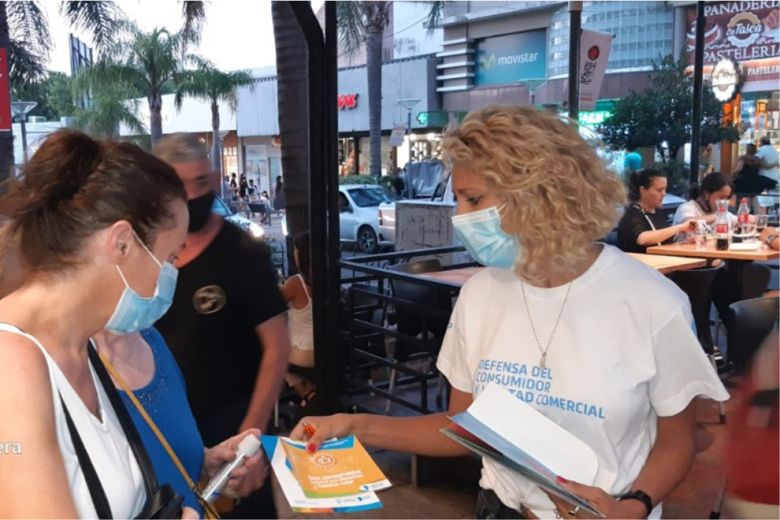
{"points": [[368, 197]]}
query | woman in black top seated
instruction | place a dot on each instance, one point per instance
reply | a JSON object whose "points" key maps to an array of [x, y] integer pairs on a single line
{"points": [[641, 226]]}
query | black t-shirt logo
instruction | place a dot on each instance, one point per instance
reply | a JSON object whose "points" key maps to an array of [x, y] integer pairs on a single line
{"points": [[209, 299]]}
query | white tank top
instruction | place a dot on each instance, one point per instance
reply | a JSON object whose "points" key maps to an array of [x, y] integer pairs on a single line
{"points": [[105, 442], [300, 323]]}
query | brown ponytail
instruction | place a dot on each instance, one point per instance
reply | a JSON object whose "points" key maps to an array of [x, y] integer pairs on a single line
{"points": [[74, 186]]}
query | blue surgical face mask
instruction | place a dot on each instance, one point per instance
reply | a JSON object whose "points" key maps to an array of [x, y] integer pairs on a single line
{"points": [[134, 312], [481, 234]]}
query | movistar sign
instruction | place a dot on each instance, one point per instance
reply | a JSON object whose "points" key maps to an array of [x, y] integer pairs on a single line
{"points": [[511, 58]]}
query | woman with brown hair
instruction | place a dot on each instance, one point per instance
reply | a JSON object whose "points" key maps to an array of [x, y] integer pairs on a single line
{"points": [[98, 226], [532, 201]]}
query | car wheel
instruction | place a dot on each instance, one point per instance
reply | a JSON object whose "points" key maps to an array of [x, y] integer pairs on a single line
{"points": [[367, 241]]}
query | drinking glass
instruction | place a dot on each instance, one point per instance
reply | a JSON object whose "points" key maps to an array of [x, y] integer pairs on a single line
{"points": [[749, 230], [761, 222]]}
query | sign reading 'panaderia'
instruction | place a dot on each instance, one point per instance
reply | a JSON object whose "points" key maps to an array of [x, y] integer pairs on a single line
{"points": [[746, 32]]}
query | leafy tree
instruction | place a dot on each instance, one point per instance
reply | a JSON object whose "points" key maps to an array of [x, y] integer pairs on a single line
{"points": [[108, 110], [662, 113], [24, 31], [53, 95]]}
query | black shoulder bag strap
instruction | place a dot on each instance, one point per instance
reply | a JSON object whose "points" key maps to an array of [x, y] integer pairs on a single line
{"points": [[99, 500], [133, 438]]}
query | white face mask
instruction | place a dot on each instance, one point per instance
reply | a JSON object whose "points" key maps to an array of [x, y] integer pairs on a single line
{"points": [[481, 234]]}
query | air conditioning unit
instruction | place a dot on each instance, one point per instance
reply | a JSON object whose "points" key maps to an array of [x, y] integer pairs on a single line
{"points": [[36, 119]]}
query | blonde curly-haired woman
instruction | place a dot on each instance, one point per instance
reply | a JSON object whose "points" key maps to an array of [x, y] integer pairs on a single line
{"points": [[533, 199]]}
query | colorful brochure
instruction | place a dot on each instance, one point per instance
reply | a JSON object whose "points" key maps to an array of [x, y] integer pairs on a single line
{"points": [[294, 492], [339, 468], [539, 450]]}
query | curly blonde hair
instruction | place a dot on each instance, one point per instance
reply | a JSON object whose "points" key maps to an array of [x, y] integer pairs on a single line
{"points": [[559, 197]]}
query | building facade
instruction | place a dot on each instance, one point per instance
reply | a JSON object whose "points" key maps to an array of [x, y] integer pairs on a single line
{"points": [[518, 52], [409, 81]]}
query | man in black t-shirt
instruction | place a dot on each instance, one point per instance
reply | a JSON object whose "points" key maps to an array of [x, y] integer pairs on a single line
{"points": [[227, 326]]}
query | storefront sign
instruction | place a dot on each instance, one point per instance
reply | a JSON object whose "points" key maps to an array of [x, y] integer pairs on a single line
{"points": [[594, 118], [746, 32], [725, 80], [5, 93], [347, 101], [511, 58]]}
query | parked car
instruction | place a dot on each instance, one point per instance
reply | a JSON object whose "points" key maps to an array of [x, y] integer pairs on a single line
{"points": [[220, 207], [359, 215]]}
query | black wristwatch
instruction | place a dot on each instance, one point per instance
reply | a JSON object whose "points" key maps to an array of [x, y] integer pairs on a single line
{"points": [[640, 495]]}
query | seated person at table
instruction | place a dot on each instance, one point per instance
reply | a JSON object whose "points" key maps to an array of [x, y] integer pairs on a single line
{"points": [[702, 204], [641, 226]]}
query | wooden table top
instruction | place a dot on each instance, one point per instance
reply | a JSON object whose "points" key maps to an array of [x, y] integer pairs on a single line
{"points": [[689, 250], [669, 264], [664, 264], [454, 276]]}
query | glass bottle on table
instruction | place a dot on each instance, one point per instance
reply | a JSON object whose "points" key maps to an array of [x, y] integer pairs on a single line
{"points": [[722, 226], [743, 222]]}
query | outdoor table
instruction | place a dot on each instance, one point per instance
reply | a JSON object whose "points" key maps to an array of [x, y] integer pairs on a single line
{"points": [[690, 250], [669, 264], [735, 260], [663, 264], [454, 276]]}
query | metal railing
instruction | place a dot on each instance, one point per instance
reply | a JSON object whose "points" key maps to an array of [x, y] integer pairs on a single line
{"points": [[370, 305]]}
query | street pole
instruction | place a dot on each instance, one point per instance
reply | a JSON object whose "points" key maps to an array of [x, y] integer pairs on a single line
{"points": [[575, 29], [24, 138], [409, 136], [21, 109], [698, 87], [409, 105]]}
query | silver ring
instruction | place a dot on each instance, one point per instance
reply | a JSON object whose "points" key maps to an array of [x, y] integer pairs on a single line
{"points": [[574, 511]]}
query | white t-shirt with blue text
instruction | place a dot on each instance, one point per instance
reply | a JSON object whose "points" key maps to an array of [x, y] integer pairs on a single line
{"points": [[624, 353]]}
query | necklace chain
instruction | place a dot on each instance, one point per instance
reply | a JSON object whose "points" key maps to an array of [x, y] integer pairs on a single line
{"points": [[543, 352]]}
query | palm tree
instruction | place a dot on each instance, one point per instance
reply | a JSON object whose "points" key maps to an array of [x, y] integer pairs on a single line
{"points": [[146, 62], [209, 83], [364, 22], [24, 31], [291, 69], [107, 111]]}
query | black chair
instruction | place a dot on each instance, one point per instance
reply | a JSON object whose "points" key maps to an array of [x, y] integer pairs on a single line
{"points": [[750, 281], [755, 280], [750, 322], [410, 321], [358, 303], [697, 284]]}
